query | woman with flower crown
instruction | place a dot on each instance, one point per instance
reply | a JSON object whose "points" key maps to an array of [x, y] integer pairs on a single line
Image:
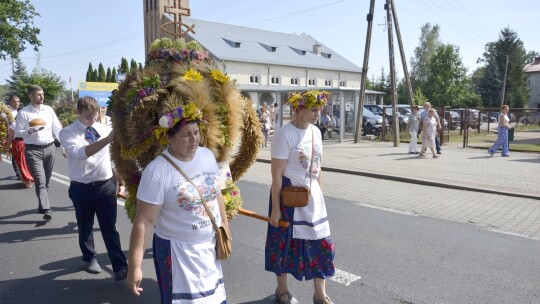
{"points": [[184, 242], [305, 248]]}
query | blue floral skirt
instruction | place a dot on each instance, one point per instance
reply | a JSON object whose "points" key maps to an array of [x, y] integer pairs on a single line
{"points": [[304, 259]]}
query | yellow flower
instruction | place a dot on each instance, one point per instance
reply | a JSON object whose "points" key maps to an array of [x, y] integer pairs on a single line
{"points": [[219, 76], [192, 75]]}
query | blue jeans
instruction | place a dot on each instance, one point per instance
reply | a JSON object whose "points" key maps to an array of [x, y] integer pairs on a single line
{"points": [[97, 200]]}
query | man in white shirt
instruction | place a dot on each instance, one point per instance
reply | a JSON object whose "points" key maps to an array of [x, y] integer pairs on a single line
{"points": [[14, 104], [93, 188], [39, 150]]}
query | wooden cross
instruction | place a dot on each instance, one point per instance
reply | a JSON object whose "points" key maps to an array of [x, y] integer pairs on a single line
{"points": [[177, 11]]}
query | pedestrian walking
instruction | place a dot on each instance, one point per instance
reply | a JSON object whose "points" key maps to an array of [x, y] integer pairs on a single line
{"points": [[502, 133], [305, 248], [93, 189], [184, 241], [429, 133], [423, 116], [413, 124], [35, 124], [14, 104]]}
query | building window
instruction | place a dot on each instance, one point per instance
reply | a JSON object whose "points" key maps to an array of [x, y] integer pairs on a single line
{"points": [[274, 80], [312, 82], [328, 83], [254, 79], [343, 83], [294, 81]]}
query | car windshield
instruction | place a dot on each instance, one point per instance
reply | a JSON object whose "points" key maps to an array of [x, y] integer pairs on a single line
{"points": [[368, 113]]}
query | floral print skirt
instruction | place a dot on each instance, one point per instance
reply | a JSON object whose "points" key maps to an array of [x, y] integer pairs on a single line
{"points": [[304, 259]]}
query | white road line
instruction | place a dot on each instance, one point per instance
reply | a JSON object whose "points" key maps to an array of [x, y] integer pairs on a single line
{"points": [[388, 209], [344, 277]]}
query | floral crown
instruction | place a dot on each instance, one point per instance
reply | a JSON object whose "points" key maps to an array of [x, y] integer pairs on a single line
{"points": [[181, 114], [177, 50], [307, 99]]}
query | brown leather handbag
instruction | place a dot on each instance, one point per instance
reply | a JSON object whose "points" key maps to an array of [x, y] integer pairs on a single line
{"points": [[294, 196], [223, 234]]}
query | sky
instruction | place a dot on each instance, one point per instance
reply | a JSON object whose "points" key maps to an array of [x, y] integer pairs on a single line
{"points": [[104, 31]]}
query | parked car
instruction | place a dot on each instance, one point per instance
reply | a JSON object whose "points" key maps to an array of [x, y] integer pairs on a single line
{"points": [[474, 119], [371, 123], [453, 118], [530, 118], [403, 113]]}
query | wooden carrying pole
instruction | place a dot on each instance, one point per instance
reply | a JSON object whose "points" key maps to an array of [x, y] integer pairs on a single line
{"points": [[260, 217], [243, 212]]}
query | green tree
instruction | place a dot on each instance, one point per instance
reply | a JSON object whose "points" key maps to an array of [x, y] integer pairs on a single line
{"points": [[17, 84], [140, 67], [124, 67], [113, 75], [382, 84], [101, 73], [17, 28], [108, 77], [427, 47], [65, 110], [419, 98], [133, 65], [89, 72], [95, 75], [447, 82], [494, 59]]}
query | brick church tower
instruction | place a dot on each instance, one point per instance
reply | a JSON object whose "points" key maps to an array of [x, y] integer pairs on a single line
{"points": [[154, 18]]}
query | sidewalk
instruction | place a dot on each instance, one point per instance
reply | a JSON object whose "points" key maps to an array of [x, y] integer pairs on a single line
{"points": [[457, 168]]}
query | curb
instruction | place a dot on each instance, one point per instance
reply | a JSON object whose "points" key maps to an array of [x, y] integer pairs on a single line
{"points": [[421, 182]]}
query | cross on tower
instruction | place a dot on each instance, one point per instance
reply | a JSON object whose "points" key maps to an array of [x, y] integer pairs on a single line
{"points": [[177, 11]]}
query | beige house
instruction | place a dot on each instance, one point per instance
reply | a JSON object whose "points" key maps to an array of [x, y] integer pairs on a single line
{"points": [[268, 65], [532, 71]]}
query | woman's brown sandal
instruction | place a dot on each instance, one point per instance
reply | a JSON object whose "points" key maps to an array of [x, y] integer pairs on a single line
{"points": [[315, 301], [290, 299]]}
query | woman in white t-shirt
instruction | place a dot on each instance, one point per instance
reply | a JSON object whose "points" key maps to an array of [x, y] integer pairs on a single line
{"points": [[184, 240], [304, 249]]}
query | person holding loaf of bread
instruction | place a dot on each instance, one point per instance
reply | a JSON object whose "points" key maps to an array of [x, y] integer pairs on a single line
{"points": [[35, 124]]}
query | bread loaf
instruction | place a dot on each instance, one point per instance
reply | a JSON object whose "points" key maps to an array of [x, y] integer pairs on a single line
{"points": [[37, 122]]}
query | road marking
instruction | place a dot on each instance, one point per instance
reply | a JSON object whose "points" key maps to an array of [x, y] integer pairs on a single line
{"points": [[344, 277], [387, 209]]}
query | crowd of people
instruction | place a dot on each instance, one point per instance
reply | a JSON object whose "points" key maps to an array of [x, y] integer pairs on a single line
{"points": [[185, 175]]}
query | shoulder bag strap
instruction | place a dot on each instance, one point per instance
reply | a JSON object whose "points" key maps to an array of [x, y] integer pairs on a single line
{"points": [[312, 155], [208, 211]]}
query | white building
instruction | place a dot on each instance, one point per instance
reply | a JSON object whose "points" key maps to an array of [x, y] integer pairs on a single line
{"points": [[532, 71], [268, 65]]}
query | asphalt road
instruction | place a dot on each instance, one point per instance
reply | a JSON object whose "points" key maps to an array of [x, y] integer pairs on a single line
{"points": [[401, 258]]}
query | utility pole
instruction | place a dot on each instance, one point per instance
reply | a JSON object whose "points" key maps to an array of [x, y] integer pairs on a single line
{"points": [[395, 122], [402, 53], [504, 81], [360, 111]]}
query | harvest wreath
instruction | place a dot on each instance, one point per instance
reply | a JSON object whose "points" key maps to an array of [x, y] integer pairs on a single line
{"points": [[180, 75]]}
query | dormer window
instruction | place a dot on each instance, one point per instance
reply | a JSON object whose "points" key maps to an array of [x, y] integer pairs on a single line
{"points": [[233, 44], [298, 51], [343, 83], [269, 48], [328, 83], [312, 82], [295, 81], [274, 80], [326, 55]]}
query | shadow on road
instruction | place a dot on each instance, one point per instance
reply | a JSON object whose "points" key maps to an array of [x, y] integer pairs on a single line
{"points": [[57, 285]]}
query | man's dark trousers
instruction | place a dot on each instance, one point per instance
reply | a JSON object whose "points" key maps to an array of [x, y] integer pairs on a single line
{"points": [[98, 199]]}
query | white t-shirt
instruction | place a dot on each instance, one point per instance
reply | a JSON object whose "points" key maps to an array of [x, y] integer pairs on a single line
{"points": [[182, 215], [310, 222], [294, 144]]}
